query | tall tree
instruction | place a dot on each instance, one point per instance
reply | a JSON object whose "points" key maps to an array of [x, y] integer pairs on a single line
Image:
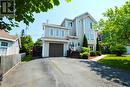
{"points": [[22, 33], [25, 9], [116, 27], [85, 41]]}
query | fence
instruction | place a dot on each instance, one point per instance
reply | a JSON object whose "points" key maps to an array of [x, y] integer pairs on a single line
{"points": [[7, 62]]}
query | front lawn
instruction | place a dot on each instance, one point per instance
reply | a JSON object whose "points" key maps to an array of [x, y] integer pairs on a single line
{"points": [[122, 62]]}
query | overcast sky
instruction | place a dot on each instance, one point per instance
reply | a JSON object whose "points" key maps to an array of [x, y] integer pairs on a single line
{"points": [[67, 10]]}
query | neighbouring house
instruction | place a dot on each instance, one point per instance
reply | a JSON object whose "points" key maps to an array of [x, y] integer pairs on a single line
{"points": [[57, 39], [128, 49], [9, 44]]}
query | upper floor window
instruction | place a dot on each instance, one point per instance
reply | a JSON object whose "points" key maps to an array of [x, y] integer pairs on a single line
{"points": [[91, 26], [62, 33], [71, 24], [51, 32], [91, 36], [4, 44], [57, 32]]}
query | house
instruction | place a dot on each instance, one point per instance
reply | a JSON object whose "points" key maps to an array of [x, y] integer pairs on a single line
{"points": [[57, 39], [9, 44]]}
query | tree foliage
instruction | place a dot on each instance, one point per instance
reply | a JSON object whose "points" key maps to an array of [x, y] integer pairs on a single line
{"points": [[85, 41], [116, 27], [118, 49], [25, 9], [27, 44], [38, 42]]}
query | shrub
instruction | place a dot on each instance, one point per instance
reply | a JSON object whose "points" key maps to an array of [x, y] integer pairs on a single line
{"points": [[85, 55], [26, 58], [92, 53], [85, 49], [98, 53], [118, 49], [85, 41]]}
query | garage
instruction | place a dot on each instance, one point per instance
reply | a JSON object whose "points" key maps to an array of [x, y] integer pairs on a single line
{"points": [[55, 50]]}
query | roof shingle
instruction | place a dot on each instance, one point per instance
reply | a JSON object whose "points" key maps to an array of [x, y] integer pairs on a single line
{"points": [[6, 36]]}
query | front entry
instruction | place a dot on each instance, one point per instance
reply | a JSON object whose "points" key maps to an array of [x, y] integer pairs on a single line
{"points": [[55, 50]]}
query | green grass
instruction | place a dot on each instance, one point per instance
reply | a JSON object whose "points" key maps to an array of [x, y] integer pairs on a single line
{"points": [[27, 58], [120, 62]]}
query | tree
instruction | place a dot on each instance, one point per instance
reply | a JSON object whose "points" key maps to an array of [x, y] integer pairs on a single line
{"points": [[116, 27], [38, 42], [22, 33], [118, 49], [27, 44], [97, 46], [24, 11], [85, 41]]}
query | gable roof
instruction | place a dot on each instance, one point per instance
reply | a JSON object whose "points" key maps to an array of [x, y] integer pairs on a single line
{"points": [[86, 13], [66, 19], [6, 36]]}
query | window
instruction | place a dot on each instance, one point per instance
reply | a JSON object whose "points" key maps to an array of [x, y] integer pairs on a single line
{"points": [[91, 25], [4, 43], [91, 47], [71, 24], [92, 36], [51, 32], [62, 33], [72, 44], [57, 32], [75, 44], [78, 43]]}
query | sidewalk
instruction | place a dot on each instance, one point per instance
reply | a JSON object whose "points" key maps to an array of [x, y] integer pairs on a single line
{"points": [[97, 58]]}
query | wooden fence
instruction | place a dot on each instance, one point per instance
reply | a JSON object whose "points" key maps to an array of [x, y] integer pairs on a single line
{"points": [[7, 62]]}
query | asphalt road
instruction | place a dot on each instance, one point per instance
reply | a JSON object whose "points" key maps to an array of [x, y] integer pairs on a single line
{"points": [[62, 72]]}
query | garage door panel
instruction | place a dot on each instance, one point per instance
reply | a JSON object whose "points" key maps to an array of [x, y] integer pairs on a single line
{"points": [[55, 50]]}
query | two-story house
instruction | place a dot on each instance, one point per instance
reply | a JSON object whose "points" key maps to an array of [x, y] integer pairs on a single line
{"points": [[57, 39]]}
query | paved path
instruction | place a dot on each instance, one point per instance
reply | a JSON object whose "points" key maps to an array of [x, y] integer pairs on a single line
{"points": [[63, 72], [98, 58]]}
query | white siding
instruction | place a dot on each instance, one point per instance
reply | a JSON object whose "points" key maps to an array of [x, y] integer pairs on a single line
{"points": [[55, 32], [45, 49], [65, 49], [12, 48]]}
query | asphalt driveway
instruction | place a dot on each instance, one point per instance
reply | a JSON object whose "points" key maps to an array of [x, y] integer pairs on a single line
{"points": [[63, 72]]}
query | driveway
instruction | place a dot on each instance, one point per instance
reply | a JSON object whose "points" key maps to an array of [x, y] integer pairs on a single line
{"points": [[63, 72]]}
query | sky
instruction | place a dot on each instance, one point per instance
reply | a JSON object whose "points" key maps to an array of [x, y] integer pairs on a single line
{"points": [[67, 10]]}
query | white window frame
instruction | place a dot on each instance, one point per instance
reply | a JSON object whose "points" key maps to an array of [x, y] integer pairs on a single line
{"points": [[62, 33], [91, 25], [57, 32], [51, 32], [4, 42]]}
